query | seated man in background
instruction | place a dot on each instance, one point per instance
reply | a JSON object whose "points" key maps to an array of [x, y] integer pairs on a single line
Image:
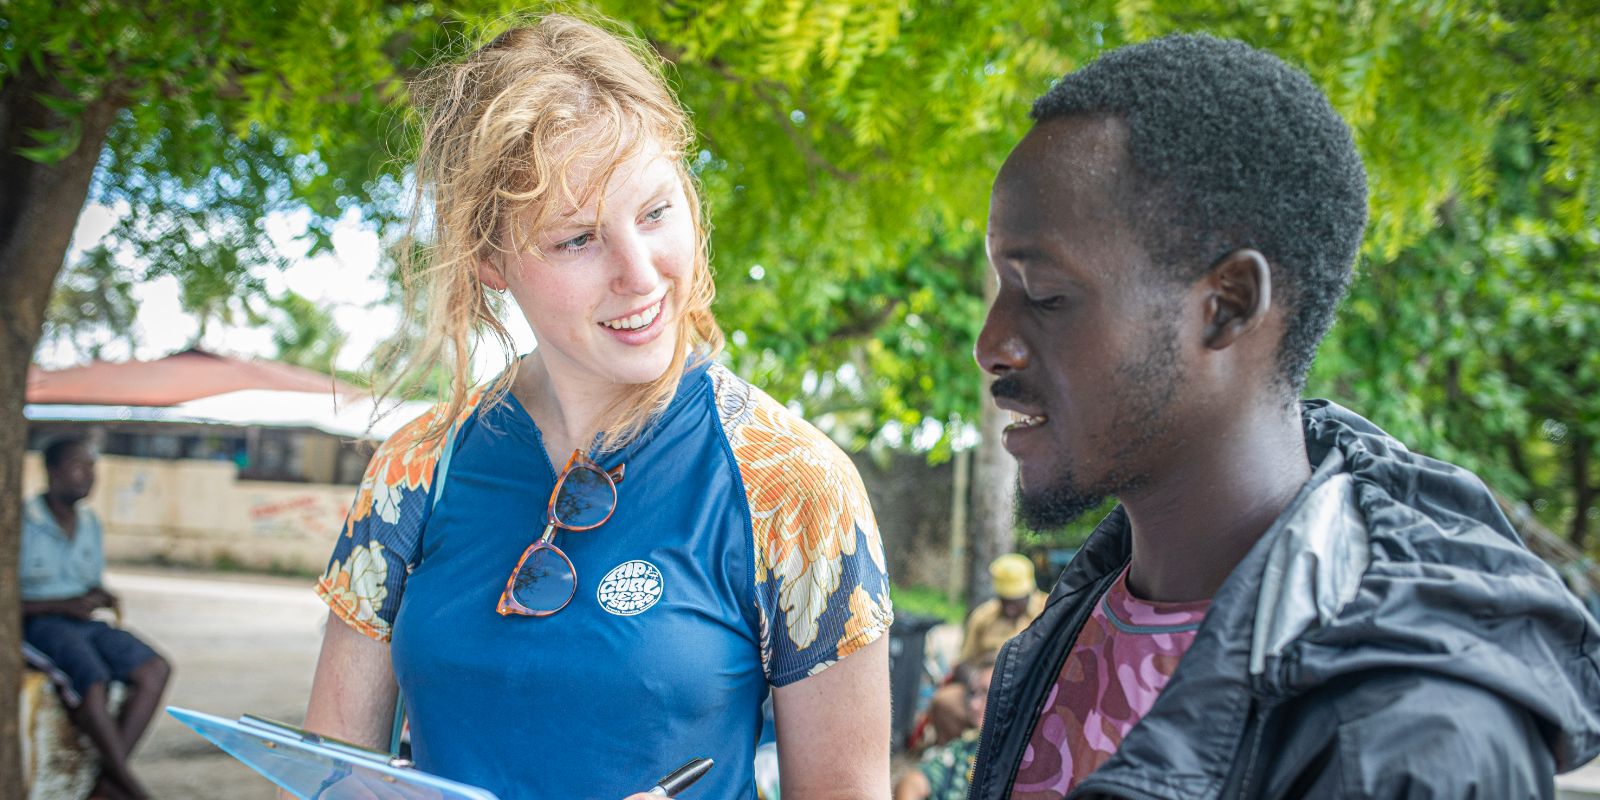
{"points": [[943, 770], [62, 561], [1287, 602]]}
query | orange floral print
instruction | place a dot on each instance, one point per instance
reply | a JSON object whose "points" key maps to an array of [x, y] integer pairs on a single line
{"points": [[402, 464], [354, 589], [806, 503], [867, 617], [355, 585]]}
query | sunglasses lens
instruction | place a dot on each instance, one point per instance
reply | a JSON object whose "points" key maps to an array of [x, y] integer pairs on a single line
{"points": [[586, 498], [545, 581]]}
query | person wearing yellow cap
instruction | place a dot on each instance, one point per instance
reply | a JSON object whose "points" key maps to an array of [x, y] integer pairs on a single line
{"points": [[1016, 602]]}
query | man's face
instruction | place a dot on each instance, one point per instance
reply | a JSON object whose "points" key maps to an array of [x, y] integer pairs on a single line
{"points": [[978, 696], [73, 477], [1082, 337], [1013, 607]]}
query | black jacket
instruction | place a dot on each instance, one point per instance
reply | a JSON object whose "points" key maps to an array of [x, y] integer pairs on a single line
{"points": [[1388, 636]]}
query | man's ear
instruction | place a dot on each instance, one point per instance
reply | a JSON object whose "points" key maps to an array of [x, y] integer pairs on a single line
{"points": [[490, 275], [1239, 295]]}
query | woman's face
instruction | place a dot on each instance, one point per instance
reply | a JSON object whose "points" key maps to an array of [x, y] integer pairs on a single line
{"points": [[601, 284]]}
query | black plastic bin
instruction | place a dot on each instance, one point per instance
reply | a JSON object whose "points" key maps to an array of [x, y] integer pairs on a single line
{"points": [[907, 638]]}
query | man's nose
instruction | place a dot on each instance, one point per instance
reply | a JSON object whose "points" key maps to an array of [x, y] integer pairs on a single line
{"points": [[999, 350]]}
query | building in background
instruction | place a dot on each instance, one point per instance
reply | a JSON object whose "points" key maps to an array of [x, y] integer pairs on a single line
{"points": [[274, 421], [212, 460]]}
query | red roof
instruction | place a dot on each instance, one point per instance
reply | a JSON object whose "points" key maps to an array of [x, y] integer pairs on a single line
{"points": [[178, 378]]}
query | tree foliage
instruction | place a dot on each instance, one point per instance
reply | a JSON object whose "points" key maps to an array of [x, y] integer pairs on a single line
{"points": [[1470, 344], [847, 149], [92, 304], [304, 333]]}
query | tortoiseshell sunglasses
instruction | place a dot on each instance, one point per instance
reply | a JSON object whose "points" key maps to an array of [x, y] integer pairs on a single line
{"points": [[544, 580]]}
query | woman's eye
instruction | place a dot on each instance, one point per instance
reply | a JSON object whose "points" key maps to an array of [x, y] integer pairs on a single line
{"points": [[1048, 303], [657, 213], [576, 243]]}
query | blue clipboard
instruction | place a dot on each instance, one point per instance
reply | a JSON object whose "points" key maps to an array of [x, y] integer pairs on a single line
{"points": [[314, 767]]}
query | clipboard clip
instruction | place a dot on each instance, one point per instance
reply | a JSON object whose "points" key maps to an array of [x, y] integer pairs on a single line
{"points": [[341, 747]]}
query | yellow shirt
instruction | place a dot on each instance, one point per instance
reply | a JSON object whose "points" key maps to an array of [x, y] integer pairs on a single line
{"points": [[988, 629]]}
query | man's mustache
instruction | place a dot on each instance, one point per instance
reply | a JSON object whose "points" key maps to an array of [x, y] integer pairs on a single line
{"points": [[1009, 387]]}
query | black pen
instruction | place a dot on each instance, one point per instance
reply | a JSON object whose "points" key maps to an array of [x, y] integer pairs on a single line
{"points": [[680, 778]]}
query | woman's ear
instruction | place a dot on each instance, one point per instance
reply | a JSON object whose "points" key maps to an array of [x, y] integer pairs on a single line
{"points": [[490, 275], [1239, 296]]}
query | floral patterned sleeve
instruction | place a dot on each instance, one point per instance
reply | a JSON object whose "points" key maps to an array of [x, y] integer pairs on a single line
{"points": [[822, 585], [382, 533]]}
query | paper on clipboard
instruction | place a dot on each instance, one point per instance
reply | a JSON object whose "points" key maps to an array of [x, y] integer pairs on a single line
{"points": [[316, 768]]}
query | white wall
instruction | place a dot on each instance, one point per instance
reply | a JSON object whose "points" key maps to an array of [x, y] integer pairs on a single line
{"points": [[196, 513]]}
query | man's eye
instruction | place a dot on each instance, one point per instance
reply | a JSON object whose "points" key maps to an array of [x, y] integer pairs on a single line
{"points": [[1048, 303]]}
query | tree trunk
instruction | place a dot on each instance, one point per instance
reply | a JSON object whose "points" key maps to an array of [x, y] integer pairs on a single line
{"points": [[39, 208], [960, 517], [994, 480]]}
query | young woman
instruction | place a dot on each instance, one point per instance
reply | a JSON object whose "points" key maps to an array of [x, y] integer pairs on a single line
{"points": [[598, 566]]}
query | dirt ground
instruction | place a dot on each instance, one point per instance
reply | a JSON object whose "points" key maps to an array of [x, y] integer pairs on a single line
{"points": [[238, 643]]}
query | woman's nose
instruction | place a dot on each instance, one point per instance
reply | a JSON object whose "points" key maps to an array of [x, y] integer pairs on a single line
{"points": [[636, 271]]}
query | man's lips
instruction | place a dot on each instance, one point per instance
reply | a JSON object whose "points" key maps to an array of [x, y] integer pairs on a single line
{"points": [[1023, 416], [1020, 402]]}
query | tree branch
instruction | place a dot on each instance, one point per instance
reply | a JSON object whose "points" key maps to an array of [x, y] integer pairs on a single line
{"points": [[864, 326]]}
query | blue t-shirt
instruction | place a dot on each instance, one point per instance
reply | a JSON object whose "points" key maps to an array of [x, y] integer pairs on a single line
{"points": [[742, 554], [55, 566]]}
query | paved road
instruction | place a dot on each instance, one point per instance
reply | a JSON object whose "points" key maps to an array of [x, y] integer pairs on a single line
{"points": [[238, 643]]}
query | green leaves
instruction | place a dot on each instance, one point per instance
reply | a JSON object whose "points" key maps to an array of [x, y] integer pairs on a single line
{"points": [[849, 147], [92, 304], [1471, 343]]}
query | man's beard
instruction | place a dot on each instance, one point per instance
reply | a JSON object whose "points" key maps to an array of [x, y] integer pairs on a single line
{"points": [[1146, 385], [1060, 503]]}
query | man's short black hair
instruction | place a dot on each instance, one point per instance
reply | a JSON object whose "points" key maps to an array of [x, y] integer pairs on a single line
{"points": [[58, 449], [1230, 147]]}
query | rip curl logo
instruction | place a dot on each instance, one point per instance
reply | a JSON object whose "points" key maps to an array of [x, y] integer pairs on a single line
{"points": [[629, 588]]}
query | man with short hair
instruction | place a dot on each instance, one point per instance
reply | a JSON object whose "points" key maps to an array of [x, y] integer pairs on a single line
{"points": [[1287, 602], [62, 559]]}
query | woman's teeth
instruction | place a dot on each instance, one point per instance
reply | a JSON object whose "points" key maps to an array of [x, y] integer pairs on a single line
{"points": [[1025, 420], [636, 321]]}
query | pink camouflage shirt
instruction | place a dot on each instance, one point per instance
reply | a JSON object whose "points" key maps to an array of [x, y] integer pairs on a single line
{"points": [[1124, 656]]}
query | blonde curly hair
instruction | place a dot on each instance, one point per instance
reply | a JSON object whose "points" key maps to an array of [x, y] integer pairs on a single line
{"points": [[500, 132]]}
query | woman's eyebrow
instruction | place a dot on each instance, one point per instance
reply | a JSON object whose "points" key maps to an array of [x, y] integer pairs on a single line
{"points": [[568, 218]]}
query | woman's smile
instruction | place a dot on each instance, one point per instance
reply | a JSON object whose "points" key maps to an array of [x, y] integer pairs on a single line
{"points": [[638, 327]]}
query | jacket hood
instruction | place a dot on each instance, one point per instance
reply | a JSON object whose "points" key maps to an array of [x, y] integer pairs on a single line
{"points": [[1449, 588], [1385, 559]]}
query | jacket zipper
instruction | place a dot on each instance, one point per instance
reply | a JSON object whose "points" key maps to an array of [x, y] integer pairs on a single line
{"points": [[1038, 705], [1254, 743]]}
